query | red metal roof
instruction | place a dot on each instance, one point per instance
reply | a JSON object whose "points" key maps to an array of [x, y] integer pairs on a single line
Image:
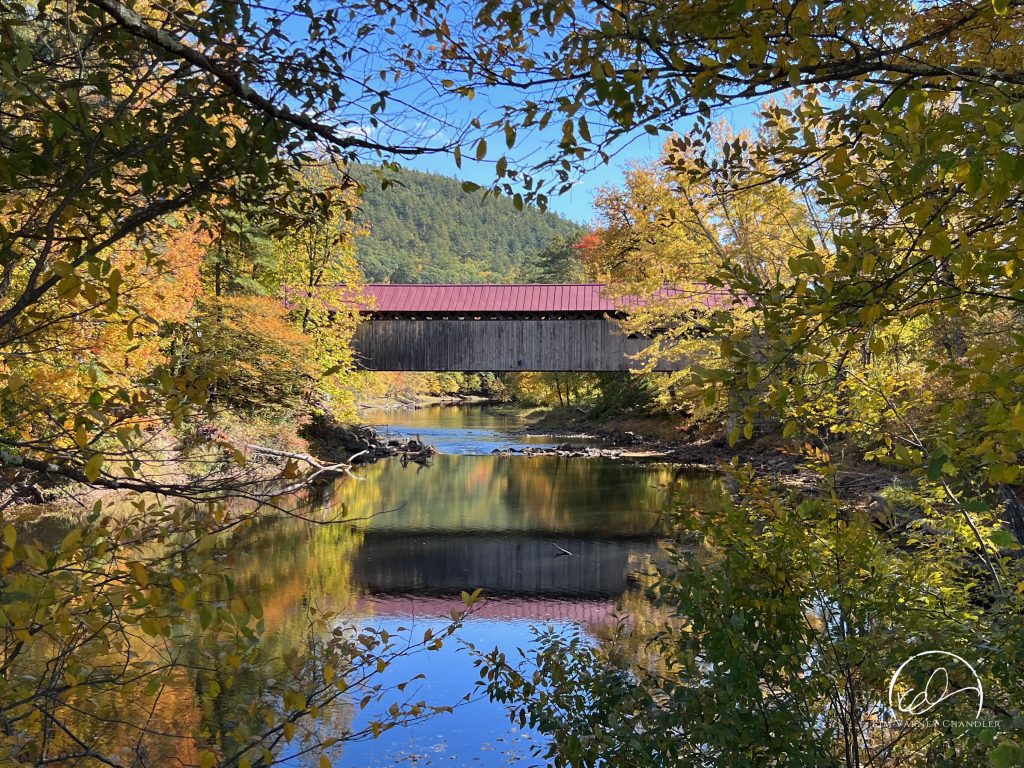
{"points": [[530, 298]]}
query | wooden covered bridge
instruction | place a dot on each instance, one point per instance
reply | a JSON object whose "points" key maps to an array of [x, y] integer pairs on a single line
{"points": [[536, 327]]}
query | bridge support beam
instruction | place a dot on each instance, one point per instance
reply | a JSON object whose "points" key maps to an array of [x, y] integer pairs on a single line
{"points": [[583, 344]]}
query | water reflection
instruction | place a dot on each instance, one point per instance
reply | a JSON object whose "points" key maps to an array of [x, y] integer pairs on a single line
{"points": [[550, 540], [540, 494], [477, 733], [501, 523]]}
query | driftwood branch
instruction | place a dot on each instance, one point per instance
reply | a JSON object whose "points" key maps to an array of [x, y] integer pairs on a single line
{"points": [[319, 468], [194, 490]]}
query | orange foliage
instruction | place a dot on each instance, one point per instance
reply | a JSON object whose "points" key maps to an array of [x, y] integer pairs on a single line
{"points": [[110, 332], [161, 285], [255, 356]]}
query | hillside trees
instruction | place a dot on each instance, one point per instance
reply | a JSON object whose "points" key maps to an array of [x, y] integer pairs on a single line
{"points": [[558, 262], [424, 228]]}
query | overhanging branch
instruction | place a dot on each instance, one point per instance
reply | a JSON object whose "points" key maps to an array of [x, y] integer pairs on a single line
{"points": [[135, 25]]}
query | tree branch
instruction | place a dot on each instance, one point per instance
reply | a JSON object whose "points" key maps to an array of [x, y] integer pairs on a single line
{"points": [[135, 25]]}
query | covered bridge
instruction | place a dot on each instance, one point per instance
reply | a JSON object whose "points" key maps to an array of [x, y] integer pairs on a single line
{"points": [[536, 327]]}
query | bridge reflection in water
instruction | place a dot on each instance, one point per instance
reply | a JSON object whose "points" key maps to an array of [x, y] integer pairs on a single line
{"points": [[514, 564], [535, 610], [498, 523], [419, 537], [503, 524]]}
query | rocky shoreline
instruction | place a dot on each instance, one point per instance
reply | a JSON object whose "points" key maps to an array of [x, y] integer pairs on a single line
{"points": [[360, 444], [769, 455], [704, 454]]}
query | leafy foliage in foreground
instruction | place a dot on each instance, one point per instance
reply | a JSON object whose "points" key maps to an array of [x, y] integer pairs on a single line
{"points": [[899, 134], [770, 640]]}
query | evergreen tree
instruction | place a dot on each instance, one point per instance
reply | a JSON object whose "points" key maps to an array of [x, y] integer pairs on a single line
{"points": [[425, 229]]}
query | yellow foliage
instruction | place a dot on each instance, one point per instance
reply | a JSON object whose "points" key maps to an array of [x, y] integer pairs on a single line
{"points": [[106, 333]]}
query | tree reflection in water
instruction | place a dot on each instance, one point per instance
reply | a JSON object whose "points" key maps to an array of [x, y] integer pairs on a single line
{"points": [[304, 609]]}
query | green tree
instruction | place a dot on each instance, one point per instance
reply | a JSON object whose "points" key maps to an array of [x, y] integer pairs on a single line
{"points": [[559, 262], [320, 279], [425, 228], [776, 626]]}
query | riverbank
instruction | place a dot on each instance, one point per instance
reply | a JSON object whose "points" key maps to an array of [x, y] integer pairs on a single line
{"points": [[213, 459], [706, 448], [701, 447]]}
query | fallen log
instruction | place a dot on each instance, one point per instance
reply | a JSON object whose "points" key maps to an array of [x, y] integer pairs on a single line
{"points": [[319, 468]]}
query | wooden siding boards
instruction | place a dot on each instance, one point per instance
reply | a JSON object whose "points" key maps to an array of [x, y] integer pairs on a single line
{"points": [[497, 345]]}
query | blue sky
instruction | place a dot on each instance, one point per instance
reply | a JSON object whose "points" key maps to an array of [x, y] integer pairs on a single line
{"points": [[420, 112], [429, 108], [577, 204], [533, 145]]}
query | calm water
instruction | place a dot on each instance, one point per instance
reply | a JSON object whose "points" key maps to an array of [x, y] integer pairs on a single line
{"points": [[465, 429], [473, 520], [413, 538]]}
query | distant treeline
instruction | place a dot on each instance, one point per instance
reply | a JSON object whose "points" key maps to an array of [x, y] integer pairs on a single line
{"points": [[425, 229]]}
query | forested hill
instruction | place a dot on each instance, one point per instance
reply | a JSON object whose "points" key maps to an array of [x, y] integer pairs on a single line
{"points": [[427, 230]]}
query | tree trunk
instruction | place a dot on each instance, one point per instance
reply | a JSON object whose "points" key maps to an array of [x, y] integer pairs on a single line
{"points": [[1013, 512]]}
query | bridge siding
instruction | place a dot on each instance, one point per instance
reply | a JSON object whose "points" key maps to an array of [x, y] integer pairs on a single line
{"points": [[496, 345]]}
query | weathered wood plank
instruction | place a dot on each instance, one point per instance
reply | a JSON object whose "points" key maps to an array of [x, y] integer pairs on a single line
{"points": [[496, 345]]}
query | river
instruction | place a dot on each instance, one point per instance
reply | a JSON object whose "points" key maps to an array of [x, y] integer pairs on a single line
{"points": [[476, 520], [552, 542]]}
